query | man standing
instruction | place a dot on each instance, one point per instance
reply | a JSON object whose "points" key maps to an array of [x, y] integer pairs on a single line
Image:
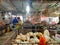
{"points": [[15, 21]]}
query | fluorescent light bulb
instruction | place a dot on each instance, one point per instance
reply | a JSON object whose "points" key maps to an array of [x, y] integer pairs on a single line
{"points": [[27, 9]]}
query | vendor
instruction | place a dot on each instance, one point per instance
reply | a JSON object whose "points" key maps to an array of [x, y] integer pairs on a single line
{"points": [[19, 23], [15, 21]]}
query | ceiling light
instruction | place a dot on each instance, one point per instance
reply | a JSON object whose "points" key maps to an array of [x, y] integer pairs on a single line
{"points": [[27, 9]]}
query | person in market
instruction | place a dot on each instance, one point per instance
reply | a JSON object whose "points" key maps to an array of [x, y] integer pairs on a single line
{"points": [[33, 26], [3, 21], [19, 21], [15, 21], [19, 24]]}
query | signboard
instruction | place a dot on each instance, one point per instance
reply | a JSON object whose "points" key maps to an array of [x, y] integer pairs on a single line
{"points": [[50, 20]]}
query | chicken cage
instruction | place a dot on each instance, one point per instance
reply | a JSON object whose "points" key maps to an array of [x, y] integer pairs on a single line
{"points": [[10, 41], [25, 30], [24, 43]]}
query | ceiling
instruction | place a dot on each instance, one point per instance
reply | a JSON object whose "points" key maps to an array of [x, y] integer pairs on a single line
{"points": [[19, 6]]}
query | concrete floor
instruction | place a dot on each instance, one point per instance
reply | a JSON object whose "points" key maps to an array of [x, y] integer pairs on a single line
{"points": [[4, 37]]}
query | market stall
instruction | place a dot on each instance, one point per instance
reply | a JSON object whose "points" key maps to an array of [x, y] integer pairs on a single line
{"points": [[31, 38], [33, 22]]}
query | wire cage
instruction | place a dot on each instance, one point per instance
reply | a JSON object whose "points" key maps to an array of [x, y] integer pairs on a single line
{"points": [[10, 42], [31, 43]]}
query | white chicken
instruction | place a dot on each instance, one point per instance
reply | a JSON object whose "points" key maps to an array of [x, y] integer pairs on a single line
{"points": [[36, 39], [17, 40], [47, 35], [18, 36], [46, 32]]}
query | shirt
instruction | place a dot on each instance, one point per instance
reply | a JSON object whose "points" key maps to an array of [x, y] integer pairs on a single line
{"points": [[15, 21]]}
